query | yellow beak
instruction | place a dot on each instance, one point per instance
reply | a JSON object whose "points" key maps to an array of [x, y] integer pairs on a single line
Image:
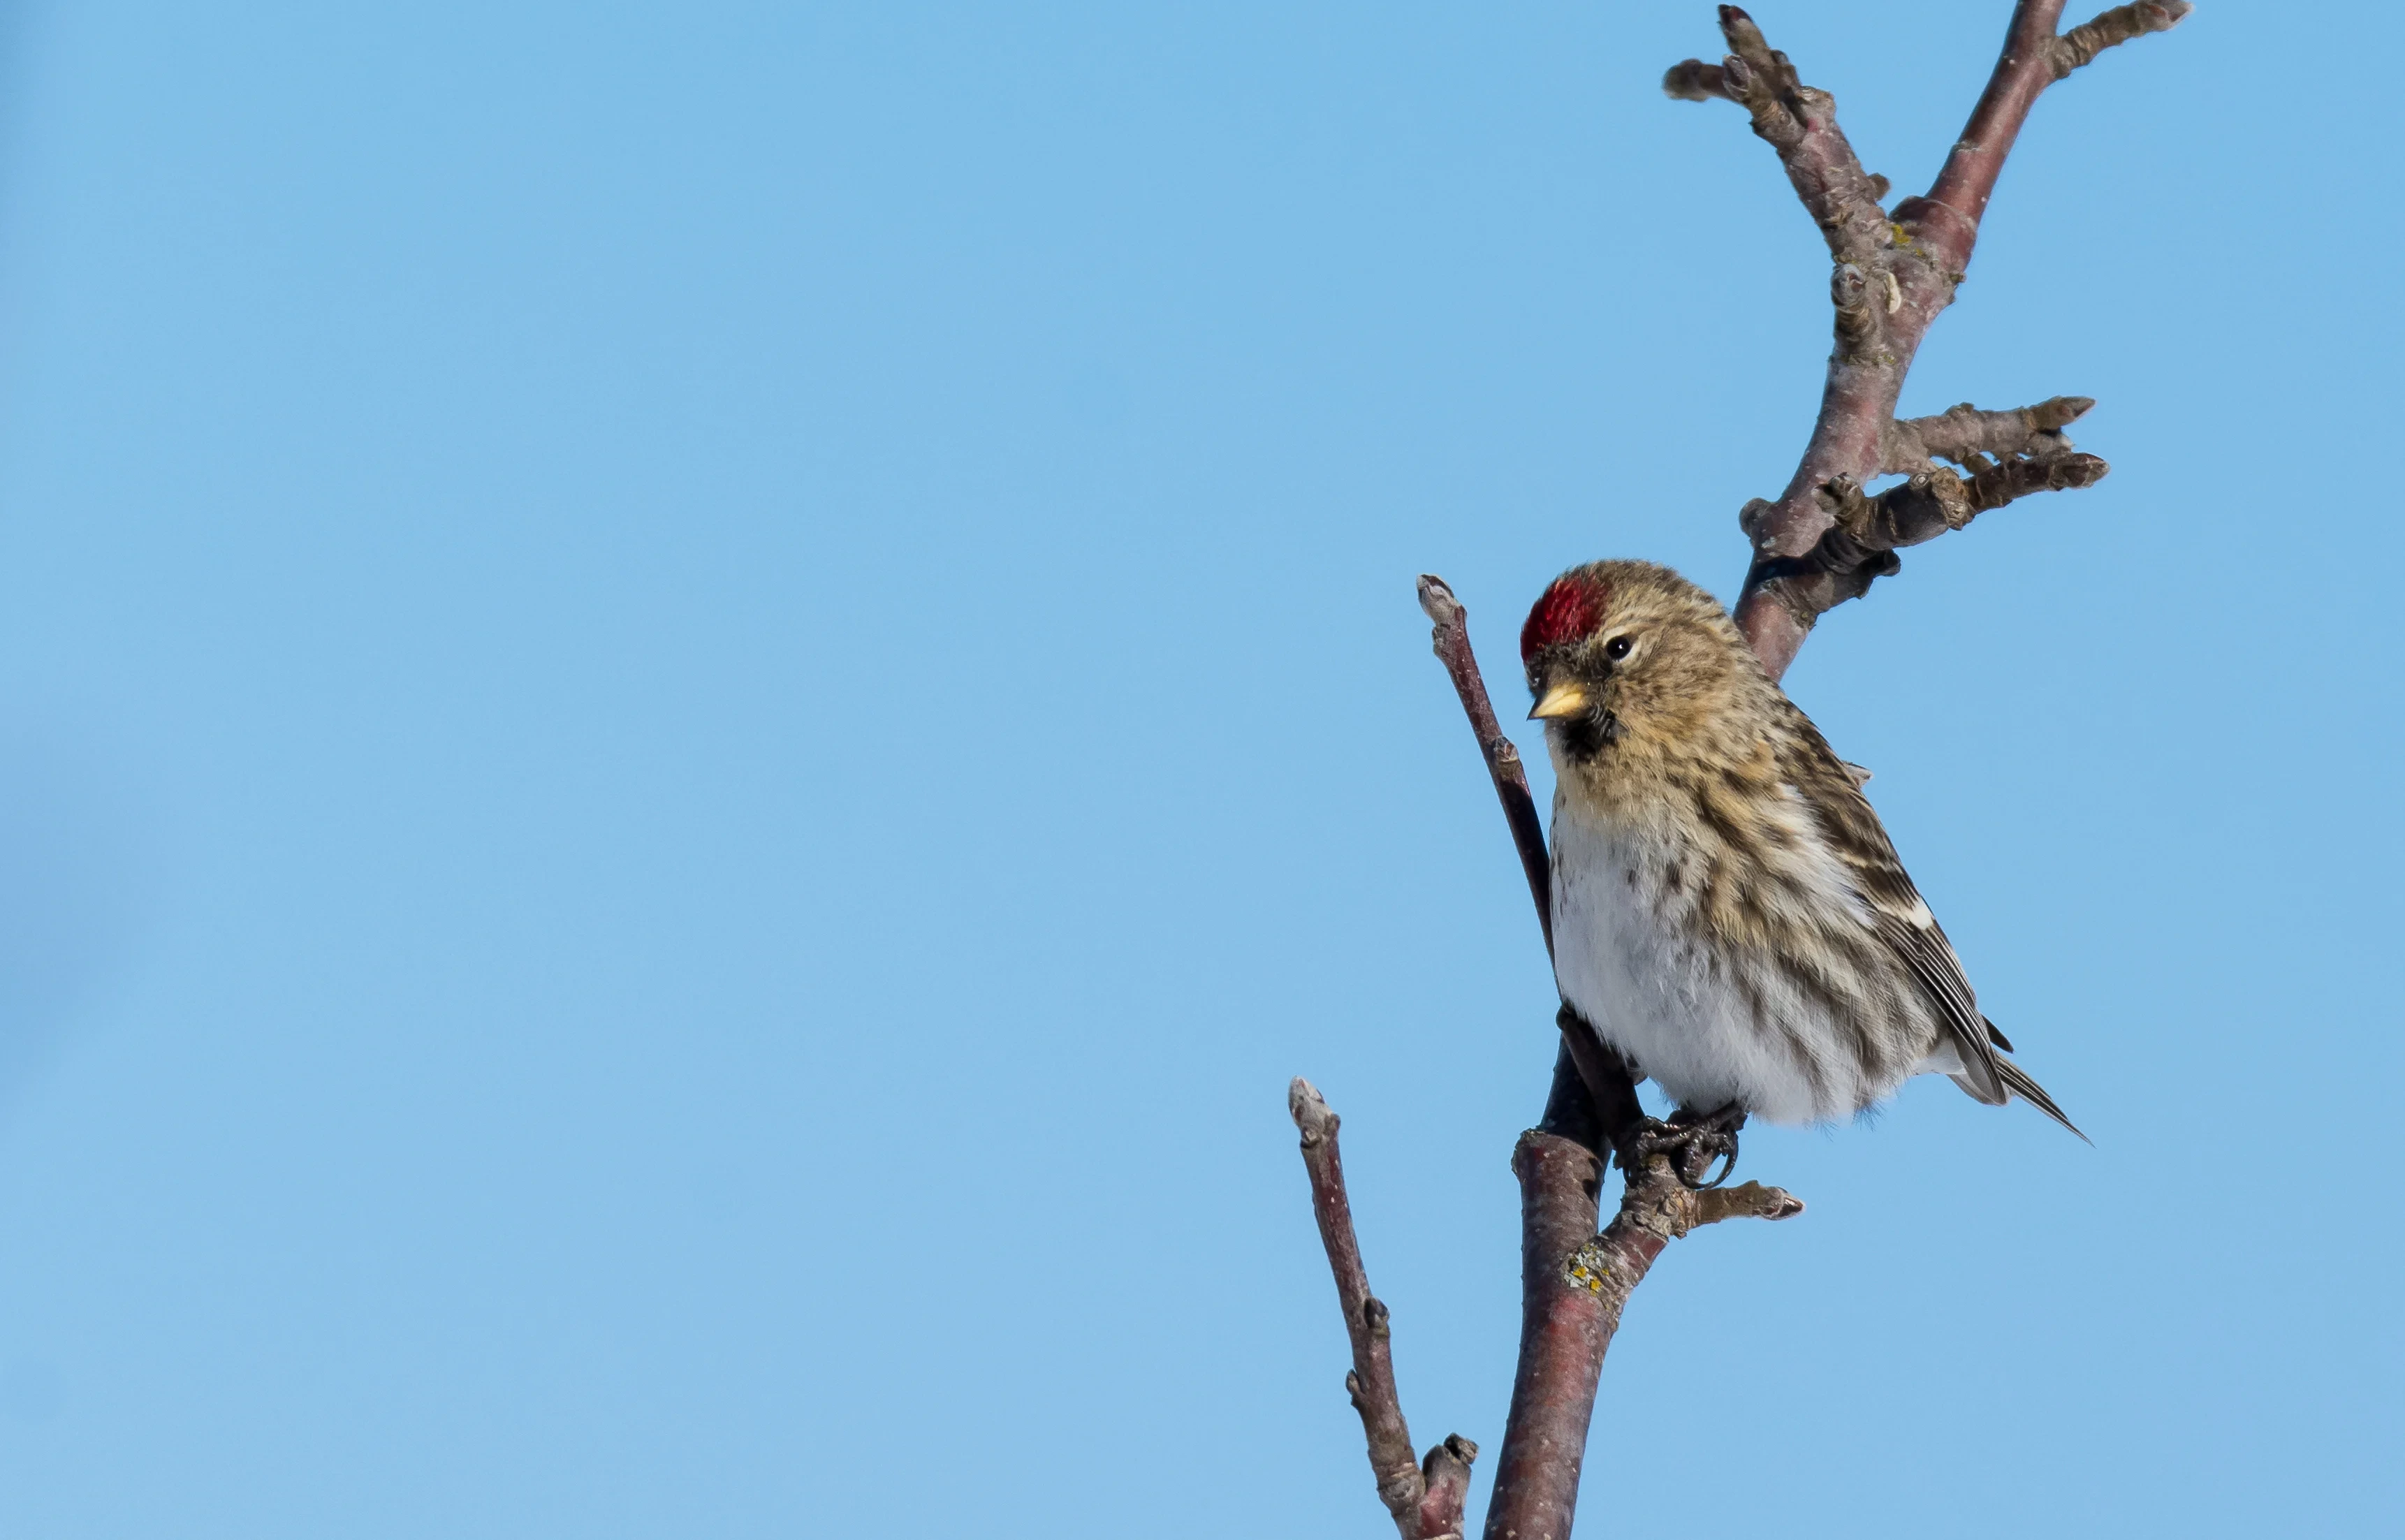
{"points": [[1562, 700]]}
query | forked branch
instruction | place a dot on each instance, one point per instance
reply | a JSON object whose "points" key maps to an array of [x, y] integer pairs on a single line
{"points": [[1824, 540]]}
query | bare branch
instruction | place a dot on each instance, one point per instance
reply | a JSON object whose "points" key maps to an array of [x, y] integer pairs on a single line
{"points": [[2116, 26], [1894, 274], [1824, 540], [1451, 638], [1693, 80], [1565, 1328], [1445, 1477], [1960, 433], [1958, 200], [2033, 59], [1574, 1284], [1997, 484], [1425, 1499], [1801, 123], [2009, 454], [1747, 1200], [1936, 501]]}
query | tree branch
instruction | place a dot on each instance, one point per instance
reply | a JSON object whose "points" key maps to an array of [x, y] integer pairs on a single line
{"points": [[2113, 28], [2033, 59], [1575, 1283], [1425, 1497], [1450, 637], [1965, 434], [1893, 273], [1824, 540]]}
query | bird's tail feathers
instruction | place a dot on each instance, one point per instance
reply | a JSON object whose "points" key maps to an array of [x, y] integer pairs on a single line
{"points": [[2016, 1081]]}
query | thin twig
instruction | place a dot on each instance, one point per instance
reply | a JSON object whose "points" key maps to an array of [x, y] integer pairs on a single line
{"points": [[2033, 59], [1424, 1497], [1966, 435], [1451, 640]]}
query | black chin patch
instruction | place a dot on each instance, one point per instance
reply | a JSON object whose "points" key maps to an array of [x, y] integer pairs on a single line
{"points": [[1584, 737]]}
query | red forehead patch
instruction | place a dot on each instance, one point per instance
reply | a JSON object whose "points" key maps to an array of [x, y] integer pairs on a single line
{"points": [[1572, 607]]}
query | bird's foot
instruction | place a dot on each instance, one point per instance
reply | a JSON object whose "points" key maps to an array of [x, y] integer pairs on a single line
{"points": [[1694, 1142]]}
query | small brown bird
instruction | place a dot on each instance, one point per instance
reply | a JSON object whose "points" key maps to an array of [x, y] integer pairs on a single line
{"points": [[1728, 913]]}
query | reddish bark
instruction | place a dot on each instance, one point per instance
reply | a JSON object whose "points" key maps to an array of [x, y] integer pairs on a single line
{"points": [[1565, 1328], [1425, 1498], [1452, 643], [1894, 272]]}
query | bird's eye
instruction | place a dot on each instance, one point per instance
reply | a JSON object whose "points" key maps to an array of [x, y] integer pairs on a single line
{"points": [[1617, 648]]}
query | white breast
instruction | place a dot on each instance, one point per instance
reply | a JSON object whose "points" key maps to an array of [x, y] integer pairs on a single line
{"points": [[1630, 958]]}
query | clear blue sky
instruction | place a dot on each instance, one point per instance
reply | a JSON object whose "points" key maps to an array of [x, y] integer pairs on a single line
{"points": [[698, 703]]}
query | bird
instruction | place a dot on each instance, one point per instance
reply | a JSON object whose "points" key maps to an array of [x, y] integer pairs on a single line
{"points": [[1728, 913]]}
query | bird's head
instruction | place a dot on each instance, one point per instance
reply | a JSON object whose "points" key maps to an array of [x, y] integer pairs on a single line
{"points": [[1630, 651]]}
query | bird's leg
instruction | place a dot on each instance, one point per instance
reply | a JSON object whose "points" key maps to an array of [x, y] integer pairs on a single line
{"points": [[1693, 1140]]}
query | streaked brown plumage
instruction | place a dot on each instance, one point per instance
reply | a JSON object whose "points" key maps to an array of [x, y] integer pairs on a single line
{"points": [[1728, 912]]}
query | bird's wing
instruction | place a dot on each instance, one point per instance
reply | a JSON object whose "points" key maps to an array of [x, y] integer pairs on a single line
{"points": [[1898, 916], [2016, 1081], [1929, 956]]}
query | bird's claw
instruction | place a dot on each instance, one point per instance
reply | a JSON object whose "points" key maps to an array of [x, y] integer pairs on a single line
{"points": [[1692, 1141]]}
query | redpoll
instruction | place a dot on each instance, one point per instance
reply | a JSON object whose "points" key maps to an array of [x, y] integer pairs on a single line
{"points": [[1728, 913]]}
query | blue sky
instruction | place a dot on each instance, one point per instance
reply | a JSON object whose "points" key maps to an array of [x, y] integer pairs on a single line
{"points": [[699, 704]]}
